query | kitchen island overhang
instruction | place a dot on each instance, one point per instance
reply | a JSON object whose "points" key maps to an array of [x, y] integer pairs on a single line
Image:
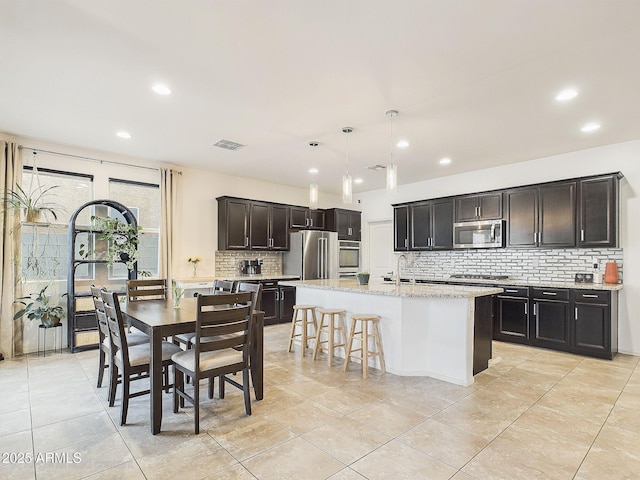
{"points": [[427, 330]]}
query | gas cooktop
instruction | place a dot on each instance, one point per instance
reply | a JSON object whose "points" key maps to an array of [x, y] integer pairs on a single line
{"points": [[479, 276]]}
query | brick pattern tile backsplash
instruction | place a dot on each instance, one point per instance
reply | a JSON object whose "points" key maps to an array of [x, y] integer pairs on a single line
{"points": [[228, 262], [555, 265]]}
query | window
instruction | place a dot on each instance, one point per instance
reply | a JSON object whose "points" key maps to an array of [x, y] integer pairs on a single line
{"points": [[143, 199], [45, 243]]}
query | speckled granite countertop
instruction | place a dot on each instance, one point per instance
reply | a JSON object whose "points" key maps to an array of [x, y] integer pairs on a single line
{"points": [[518, 283], [390, 289], [203, 280]]}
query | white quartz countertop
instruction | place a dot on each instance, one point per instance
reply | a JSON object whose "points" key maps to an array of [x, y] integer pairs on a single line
{"points": [[519, 283], [390, 289]]}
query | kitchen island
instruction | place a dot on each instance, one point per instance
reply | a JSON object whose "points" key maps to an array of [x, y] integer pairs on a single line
{"points": [[440, 331]]}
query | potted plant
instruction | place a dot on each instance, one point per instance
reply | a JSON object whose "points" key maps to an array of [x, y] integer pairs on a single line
{"points": [[33, 204], [122, 240], [363, 278], [39, 307]]}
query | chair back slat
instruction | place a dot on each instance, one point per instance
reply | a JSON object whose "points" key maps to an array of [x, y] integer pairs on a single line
{"points": [[103, 325], [150, 289], [116, 325], [255, 289], [223, 285]]}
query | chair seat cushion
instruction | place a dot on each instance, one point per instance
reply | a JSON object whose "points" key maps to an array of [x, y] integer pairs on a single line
{"points": [[137, 338], [185, 338], [208, 360], [141, 354]]}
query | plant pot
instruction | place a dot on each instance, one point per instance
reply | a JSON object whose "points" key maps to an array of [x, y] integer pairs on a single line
{"points": [[124, 257], [611, 273], [50, 322], [32, 215], [363, 278]]}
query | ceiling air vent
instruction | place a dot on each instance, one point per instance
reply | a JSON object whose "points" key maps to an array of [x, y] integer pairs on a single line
{"points": [[227, 144], [376, 167]]}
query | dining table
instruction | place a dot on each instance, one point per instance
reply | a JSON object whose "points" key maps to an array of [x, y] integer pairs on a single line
{"points": [[159, 319]]}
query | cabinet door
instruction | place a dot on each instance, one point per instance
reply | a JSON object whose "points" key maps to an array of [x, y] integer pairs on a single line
{"points": [[420, 225], [259, 226], [269, 304], [512, 319], [279, 227], [550, 324], [597, 199], [355, 222], [317, 219], [343, 224], [557, 215], [236, 225], [298, 217], [467, 208], [442, 223], [401, 228], [522, 218], [287, 301], [592, 327], [490, 206]]}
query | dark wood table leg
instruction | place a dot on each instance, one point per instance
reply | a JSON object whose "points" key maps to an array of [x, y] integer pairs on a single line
{"points": [[156, 381], [257, 355]]}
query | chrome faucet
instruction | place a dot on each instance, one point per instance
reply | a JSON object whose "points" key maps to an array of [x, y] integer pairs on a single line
{"points": [[406, 264]]}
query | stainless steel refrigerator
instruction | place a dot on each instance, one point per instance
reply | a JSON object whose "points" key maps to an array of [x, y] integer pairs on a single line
{"points": [[313, 255]]}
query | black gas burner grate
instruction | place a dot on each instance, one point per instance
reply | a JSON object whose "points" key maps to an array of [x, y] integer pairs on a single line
{"points": [[475, 276]]}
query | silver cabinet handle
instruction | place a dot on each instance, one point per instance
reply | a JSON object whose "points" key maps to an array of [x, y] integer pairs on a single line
{"points": [[350, 231], [406, 242], [535, 309], [582, 235], [277, 295], [534, 237], [246, 241], [282, 295], [587, 295], [576, 313], [549, 293], [526, 309], [511, 291]]}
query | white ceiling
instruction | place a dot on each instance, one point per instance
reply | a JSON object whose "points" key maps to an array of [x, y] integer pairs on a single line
{"points": [[473, 80]]}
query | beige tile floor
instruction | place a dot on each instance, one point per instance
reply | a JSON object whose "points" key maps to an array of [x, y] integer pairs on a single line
{"points": [[533, 414]]}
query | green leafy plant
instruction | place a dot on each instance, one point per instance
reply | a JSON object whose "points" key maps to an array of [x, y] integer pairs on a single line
{"points": [[122, 241], [33, 204], [39, 307]]}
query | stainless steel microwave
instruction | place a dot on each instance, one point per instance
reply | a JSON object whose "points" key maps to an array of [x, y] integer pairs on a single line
{"points": [[482, 234]]}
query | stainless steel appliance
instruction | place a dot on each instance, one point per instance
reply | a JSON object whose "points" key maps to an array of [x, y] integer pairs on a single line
{"points": [[313, 254], [251, 267], [482, 234], [348, 258]]}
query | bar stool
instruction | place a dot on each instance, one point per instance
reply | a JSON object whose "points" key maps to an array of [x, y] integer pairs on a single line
{"points": [[330, 328], [363, 337], [303, 321]]}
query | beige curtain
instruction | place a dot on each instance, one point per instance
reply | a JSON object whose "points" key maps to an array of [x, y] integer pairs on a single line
{"points": [[169, 207], [10, 331]]}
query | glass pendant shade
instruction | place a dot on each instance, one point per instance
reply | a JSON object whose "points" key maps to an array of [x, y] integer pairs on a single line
{"points": [[347, 189], [313, 196], [392, 178]]}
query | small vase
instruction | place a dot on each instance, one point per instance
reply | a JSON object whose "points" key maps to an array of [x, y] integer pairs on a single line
{"points": [[611, 273], [195, 270], [363, 278], [176, 301]]}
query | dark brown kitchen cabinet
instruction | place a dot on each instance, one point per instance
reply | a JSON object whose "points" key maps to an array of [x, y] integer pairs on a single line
{"points": [[277, 302], [431, 225], [346, 222], [597, 207], [305, 218], [550, 318], [512, 315], [268, 226], [233, 223], [594, 332], [471, 208], [401, 228], [542, 216]]}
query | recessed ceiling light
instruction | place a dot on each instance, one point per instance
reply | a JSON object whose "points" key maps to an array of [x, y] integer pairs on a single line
{"points": [[161, 89], [402, 144], [567, 94], [313, 171], [445, 161], [590, 127], [358, 180], [123, 134]]}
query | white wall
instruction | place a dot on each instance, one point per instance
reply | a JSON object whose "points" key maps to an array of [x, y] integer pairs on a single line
{"points": [[624, 157]]}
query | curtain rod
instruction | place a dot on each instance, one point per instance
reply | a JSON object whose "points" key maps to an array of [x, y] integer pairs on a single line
{"points": [[36, 150]]}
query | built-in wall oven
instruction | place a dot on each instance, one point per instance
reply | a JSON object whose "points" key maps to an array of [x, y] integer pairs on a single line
{"points": [[348, 258]]}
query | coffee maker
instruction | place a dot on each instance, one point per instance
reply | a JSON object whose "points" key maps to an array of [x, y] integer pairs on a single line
{"points": [[251, 267]]}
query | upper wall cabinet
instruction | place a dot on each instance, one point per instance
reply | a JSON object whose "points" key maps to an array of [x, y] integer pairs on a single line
{"points": [[597, 212], [431, 225], [401, 228], [233, 223], [304, 217], [486, 206], [542, 216], [347, 223]]}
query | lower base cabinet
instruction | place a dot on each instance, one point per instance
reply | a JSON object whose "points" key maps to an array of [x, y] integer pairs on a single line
{"points": [[277, 302], [576, 321]]}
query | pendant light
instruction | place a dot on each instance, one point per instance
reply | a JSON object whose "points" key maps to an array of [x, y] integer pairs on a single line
{"points": [[347, 181], [392, 168], [313, 188]]}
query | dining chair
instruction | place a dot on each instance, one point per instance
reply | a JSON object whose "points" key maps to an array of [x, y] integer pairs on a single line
{"points": [[255, 289], [226, 321], [104, 341], [223, 285], [146, 289], [130, 362]]}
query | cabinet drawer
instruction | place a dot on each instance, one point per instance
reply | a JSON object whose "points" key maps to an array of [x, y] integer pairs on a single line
{"points": [[514, 291], [550, 293], [592, 296], [86, 321]]}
